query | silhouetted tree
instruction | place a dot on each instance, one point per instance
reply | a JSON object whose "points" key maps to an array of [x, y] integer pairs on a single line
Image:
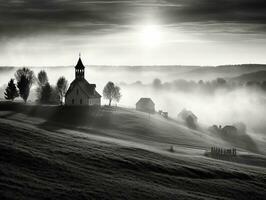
{"points": [[111, 92], [200, 82], [46, 93], [190, 121], [61, 86], [157, 83], [54, 98], [42, 78], [221, 81], [25, 78], [11, 90]]}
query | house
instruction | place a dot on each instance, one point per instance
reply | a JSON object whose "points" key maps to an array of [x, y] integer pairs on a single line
{"points": [[145, 105], [80, 91], [229, 130]]}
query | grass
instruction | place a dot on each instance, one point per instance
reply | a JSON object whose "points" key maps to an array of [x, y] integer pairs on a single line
{"points": [[50, 152]]}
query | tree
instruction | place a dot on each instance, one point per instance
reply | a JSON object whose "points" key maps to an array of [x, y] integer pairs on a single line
{"points": [[11, 90], [221, 81], [111, 92], [157, 83], [25, 79], [61, 86], [46, 93], [42, 78]]}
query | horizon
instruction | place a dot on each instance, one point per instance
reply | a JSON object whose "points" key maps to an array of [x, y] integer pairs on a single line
{"points": [[164, 65]]}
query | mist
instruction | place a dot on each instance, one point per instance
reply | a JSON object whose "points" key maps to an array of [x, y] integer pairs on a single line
{"points": [[225, 105], [221, 108]]}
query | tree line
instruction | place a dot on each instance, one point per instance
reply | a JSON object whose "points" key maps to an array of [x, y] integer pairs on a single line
{"points": [[206, 87], [25, 78]]}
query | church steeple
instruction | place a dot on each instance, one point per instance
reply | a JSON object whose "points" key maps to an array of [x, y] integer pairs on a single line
{"points": [[79, 69]]}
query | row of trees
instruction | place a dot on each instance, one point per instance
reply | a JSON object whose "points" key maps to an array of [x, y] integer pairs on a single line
{"points": [[25, 78], [47, 93], [206, 86]]}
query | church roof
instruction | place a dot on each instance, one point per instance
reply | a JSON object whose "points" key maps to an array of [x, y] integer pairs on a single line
{"points": [[79, 65], [86, 87]]}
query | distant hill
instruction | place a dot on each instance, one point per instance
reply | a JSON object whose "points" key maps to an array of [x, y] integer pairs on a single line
{"points": [[6, 68], [254, 76], [225, 71], [131, 74]]}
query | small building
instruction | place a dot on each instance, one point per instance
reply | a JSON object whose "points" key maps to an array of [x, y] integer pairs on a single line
{"points": [[229, 130], [145, 105], [80, 91]]}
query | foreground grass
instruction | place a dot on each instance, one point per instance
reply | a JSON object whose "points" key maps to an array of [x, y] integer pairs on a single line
{"points": [[41, 160]]}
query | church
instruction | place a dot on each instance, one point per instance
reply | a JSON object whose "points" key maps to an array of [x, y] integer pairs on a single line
{"points": [[80, 91]]}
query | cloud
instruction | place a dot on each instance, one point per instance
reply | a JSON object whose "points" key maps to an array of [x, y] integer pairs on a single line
{"points": [[25, 17]]}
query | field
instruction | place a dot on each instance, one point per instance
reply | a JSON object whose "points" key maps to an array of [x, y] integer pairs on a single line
{"points": [[51, 152]]}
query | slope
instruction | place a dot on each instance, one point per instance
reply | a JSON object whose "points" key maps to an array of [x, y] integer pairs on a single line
{"points": [[114, 154]]}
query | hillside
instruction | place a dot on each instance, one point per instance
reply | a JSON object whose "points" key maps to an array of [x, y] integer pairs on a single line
{"points": [[254, 76], [225, 71], [50, 152]]}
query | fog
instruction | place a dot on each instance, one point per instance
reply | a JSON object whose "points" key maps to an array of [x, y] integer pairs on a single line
{"points": [[221, 106]]}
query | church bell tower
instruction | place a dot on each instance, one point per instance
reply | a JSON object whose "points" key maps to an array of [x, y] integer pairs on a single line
{"points": [[79, 69]]}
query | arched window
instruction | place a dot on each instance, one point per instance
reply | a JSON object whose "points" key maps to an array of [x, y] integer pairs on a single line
{"points": [[77, 91], [80, 101], [72, 101]]}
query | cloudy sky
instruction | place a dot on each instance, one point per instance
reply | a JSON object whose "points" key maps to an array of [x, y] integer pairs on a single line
{"points": [[135, 32]]}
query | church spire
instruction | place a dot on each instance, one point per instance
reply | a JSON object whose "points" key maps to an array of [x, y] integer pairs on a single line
{"points": [[79, 69]]}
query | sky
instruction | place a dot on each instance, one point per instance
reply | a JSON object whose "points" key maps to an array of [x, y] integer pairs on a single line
{"points": [[135, 32]]}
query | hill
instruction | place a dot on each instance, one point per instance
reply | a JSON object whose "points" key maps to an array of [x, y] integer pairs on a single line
{"points": [[223, 71], [254, 76], [50, 152]]}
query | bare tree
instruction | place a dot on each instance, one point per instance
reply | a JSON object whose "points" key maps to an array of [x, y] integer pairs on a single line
{"points": [[61, 86], [25, 78], [111, 92]]}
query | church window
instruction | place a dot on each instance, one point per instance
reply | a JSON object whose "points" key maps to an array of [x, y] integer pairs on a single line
{"points": [[77, 91], [72, 101], [80, 101]]}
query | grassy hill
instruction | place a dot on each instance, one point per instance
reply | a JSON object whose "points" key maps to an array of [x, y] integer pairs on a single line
{"points": [[50, 152]]}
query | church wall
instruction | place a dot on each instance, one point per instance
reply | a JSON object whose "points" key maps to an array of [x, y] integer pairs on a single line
{"points": [[94, 101], [79, 97]]}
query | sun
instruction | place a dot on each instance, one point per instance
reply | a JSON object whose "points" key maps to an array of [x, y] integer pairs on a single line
{"points": [[150, 35]]}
